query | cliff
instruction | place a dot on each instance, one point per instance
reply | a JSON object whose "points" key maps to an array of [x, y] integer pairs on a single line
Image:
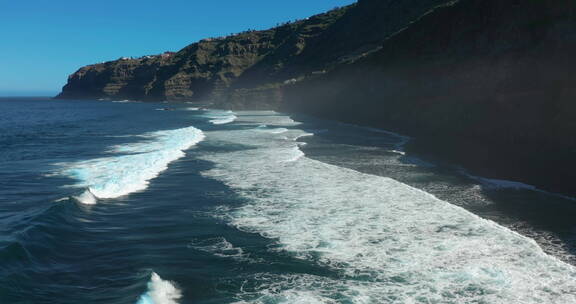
{"points": [[201, 69], [485, 83], [241, 69]]}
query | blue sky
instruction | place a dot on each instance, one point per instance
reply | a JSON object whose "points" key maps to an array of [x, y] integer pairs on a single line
{"points": [[42, 42]]}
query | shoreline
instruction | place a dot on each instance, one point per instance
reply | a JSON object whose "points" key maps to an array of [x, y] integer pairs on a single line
{"points": [[534, 164], [409, 145], [537, 170]]}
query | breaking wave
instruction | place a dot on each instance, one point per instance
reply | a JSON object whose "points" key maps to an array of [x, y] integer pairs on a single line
{"points": [[219, 117], [265, 128], [132, 166], [160, 292], [86, 198]]}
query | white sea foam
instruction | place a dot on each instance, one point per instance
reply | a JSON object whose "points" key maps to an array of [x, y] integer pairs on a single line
{"points": [[264, 128], [222, 248], [133, 165], [397, 152], [489, 183], [86, 198], [160, 292], [266, 118], [219, 117], [218, 246], [498, 183], [392, 243], [300, 289], [291, 155]]}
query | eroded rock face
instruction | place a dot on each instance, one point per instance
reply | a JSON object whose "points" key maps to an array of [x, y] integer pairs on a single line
{"points": [[236, 69], [203, 69]]}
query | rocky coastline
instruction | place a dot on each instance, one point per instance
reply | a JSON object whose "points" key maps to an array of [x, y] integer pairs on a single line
{"points": [[482, 83]]}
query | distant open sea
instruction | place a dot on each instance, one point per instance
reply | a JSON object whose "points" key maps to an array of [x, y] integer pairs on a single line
{"points": [[123, 202]]}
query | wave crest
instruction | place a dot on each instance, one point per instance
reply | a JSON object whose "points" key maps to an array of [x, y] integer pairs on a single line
{"points": [[220, 117], [134, 165], [160, 292], [86, 198]]}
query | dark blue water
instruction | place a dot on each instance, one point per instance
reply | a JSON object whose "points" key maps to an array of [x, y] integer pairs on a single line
{"points": [[242, 215], [65, 252]]}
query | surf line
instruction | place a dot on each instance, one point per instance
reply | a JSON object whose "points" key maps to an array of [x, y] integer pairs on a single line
{"points": [[133, 167]]}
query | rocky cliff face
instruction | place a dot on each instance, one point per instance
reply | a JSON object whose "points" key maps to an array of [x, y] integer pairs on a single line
{"points": [[242, 69], [201, 69], [488, 83]]}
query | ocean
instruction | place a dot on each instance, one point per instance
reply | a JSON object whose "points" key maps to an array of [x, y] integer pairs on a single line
{"points": [[139, 203]]}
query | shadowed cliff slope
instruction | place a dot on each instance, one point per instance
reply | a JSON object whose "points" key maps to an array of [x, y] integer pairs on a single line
{"points": [[487, 83]]}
